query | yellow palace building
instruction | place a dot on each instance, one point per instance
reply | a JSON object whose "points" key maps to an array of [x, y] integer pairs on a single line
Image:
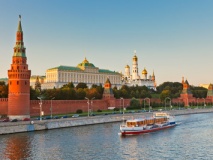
{"points": [[84, 72]]}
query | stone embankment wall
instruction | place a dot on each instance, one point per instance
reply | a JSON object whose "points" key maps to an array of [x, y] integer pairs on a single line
{"points": [[15, 127]]}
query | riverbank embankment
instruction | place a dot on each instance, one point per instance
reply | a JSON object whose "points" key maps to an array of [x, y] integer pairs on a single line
{"points": [[28, 126]]}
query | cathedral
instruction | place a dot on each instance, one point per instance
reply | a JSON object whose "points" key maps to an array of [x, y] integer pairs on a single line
{"points": [[134, 78]]}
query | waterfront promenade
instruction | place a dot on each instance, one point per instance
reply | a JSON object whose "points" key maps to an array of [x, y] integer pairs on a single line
{"points": [[28, 126]]}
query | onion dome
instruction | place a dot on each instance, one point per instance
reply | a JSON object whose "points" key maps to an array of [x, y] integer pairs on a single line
{"points": [[85, 63], [85, 60], [127, 66], [135, 58], [144, 71]]}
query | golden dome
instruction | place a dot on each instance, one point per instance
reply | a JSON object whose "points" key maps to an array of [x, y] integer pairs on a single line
{"points": [[144, 71], [135, 58], [85, 61], [127, 66]]}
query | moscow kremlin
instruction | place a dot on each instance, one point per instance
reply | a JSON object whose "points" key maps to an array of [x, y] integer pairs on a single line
{"points": [[19, 106]]}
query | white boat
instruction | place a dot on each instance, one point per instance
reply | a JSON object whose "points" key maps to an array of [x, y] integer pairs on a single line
{"points": [[158, 121]]}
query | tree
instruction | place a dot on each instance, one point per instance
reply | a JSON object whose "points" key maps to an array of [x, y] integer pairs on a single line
{"points": [[68, 85], [164, 94], [124, 93], [3, 90], [81, 85], [199, 92], [134, 103], [93, 92], [80, 93]]}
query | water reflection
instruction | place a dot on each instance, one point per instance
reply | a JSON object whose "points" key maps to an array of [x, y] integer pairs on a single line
{"points": [[190, 140], [17, 147]]}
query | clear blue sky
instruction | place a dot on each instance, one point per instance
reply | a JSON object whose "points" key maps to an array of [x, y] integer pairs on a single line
{"points": [[173, 38]]}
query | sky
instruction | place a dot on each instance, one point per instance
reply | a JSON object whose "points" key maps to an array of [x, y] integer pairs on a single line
{"points": [[173, 38]]}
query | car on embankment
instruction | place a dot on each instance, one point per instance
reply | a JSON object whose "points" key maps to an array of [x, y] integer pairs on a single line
{"points": [[6, 120], [14, 120], [75, 115]]}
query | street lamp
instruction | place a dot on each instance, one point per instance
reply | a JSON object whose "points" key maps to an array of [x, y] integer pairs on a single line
{"points": [[204, 102], [40, 103], [187, 102], [169, 101], [197, 102], [179, 104], [88, 104], [51, 109], [92, 103], [149, 103], [123, 104], [120, 104]]}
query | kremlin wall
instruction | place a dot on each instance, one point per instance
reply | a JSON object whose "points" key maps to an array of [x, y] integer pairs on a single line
{"points": [[19, 106]]}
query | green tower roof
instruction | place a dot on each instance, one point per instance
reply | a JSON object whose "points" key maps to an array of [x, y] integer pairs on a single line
{"points": [[19, 24]]}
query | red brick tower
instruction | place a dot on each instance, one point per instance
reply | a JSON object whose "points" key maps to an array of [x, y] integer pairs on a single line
{"points": [[186, 93], [108, 93], [19, 80]]}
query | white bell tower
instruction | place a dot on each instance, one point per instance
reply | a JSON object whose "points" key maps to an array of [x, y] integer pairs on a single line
{"points": [[135, 67]]}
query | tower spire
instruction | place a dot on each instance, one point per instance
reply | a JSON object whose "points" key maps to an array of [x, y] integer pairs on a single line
{"points": [[19, 49], [19, 24]]}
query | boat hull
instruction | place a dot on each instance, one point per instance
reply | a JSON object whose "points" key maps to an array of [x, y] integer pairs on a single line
{"points": [[136, 132]]}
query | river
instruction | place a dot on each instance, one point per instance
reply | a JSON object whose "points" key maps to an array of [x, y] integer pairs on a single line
{"points": [[191, 140]]}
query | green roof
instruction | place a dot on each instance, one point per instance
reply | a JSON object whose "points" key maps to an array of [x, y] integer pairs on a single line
{"points": [[20, 54], [3, 79], [107, 71], [66, 68], [78, 69], [86, 65]]}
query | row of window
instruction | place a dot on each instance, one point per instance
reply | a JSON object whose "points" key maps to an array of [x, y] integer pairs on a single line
{"points": [[67, 77], [18, 76], [17, 82], [19, 61], [18, 67]]}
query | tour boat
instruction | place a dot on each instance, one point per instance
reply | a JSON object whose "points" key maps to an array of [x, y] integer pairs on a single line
{"points": [[158, 121]]}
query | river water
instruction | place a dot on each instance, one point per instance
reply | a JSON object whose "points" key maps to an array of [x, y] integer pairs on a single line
{"points": [[191, 140]]}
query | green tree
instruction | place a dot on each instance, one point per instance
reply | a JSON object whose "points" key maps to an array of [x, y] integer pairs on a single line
{"points": [[124, 93], [68, 85], [81, 85], [134, 103], [164, 94], [93, 92], [80, 93], [3, 90]]}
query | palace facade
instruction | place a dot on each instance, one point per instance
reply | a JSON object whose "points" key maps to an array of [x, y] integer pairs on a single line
{"points": [[134, 78], [84, 72]]}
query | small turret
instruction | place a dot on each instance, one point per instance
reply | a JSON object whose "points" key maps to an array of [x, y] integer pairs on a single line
{"points": [[210, 91], [108, 93], [153, 76], [182, 80]]}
